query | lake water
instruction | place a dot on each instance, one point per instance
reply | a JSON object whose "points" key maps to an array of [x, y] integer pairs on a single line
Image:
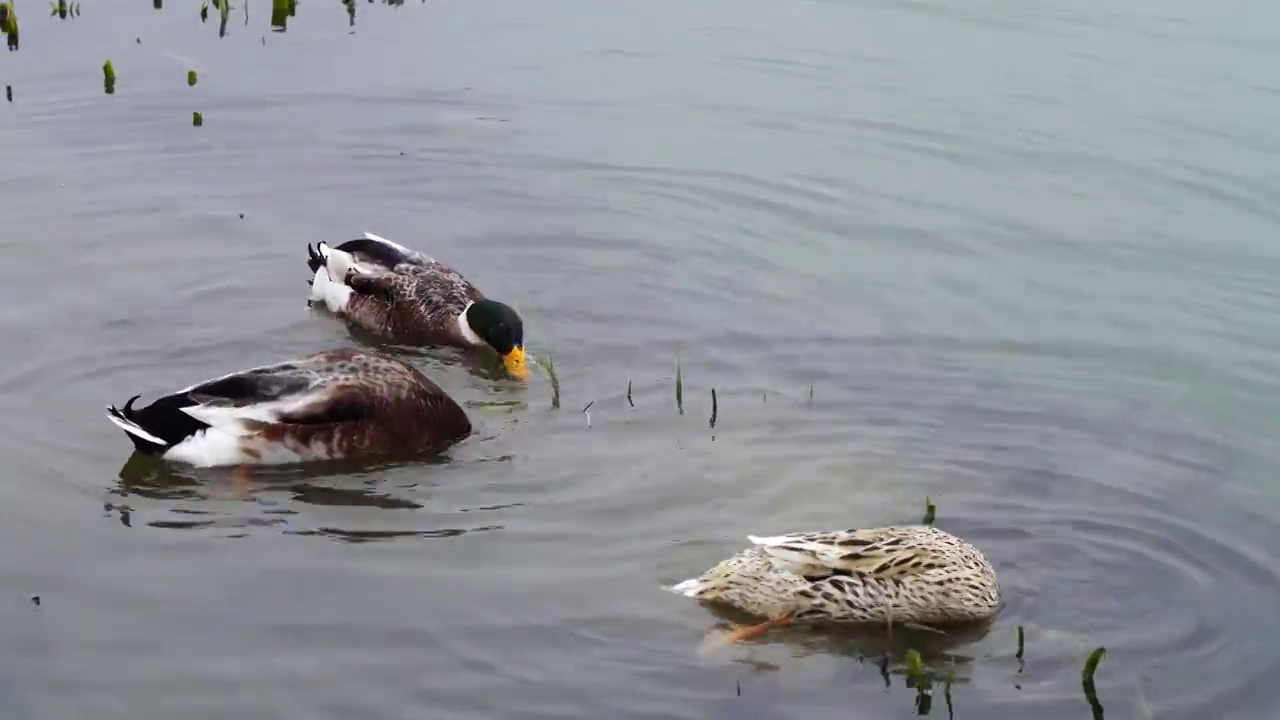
{"points": [[1024, 253]]}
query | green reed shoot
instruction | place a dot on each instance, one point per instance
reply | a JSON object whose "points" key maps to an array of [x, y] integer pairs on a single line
{"points": [[545, 362], [197, 120], [191, 78], [917, 676], [1021, 642], [62, 9], [9, 23], [679, 389], [281, 11], [715, 408], [1086, 681], [929, 511], [1091, 665], [108, 77], [204, 10]]}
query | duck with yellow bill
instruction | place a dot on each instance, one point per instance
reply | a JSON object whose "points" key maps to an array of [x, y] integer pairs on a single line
{"points": [[413, 299]]}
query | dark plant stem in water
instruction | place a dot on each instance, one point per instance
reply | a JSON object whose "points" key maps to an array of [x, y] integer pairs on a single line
{"points": [[8, 92], [946, 692], [1021, 639], [715, 408], [679, 389], [629, 401]]}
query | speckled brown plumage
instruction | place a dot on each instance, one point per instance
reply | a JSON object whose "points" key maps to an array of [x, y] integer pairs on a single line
{"points": [[340, 403], [910, 574]]}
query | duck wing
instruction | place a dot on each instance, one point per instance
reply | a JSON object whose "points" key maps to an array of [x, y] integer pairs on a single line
{"points": [[374, 250], [879, 552], [308, 391]]}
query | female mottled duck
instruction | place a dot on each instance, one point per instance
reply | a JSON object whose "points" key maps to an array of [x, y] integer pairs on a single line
{"points": [[911, 574]]}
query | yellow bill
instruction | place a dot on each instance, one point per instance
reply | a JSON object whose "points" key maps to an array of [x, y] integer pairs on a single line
{"points": [[515, 363]]}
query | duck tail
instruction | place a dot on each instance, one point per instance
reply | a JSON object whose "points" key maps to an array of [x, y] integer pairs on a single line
{"points": [[328, 284], [157, 427], [317, 256], [689, 588]]}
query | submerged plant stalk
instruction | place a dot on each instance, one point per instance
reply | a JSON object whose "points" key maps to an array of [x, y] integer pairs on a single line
{"points": [[679, 389], [715, 408]]}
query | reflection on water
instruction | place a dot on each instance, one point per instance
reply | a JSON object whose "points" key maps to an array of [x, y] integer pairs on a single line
{"points": [[220, 497]]}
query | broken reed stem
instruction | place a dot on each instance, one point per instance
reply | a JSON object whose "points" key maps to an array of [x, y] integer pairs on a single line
{"points": [[1021, 640], [929, 511], [715, 408], [679, 389], [108, 77], [629, 401]]}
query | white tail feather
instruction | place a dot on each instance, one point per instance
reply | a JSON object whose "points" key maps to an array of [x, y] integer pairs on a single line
{"points": [[334, 295], [340, 263], [134, 429], [688, 588], [384, 241], [407, 252]]}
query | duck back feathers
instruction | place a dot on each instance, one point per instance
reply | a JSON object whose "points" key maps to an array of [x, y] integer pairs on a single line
{"points": [[338, 403], [389, 289], [906, 573]]}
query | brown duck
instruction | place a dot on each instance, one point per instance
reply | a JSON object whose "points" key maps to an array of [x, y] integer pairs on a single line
{"points": [[342, 403]]}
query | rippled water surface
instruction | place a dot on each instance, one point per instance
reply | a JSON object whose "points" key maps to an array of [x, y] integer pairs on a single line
{"points": [[1019, 257]]}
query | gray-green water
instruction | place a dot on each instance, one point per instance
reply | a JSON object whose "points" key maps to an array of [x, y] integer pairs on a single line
{"points": [[1025, 253]]}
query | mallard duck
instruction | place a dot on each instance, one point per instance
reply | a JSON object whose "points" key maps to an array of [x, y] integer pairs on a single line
{"points": [[411, 298], [334, 404], [913, 574]]}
